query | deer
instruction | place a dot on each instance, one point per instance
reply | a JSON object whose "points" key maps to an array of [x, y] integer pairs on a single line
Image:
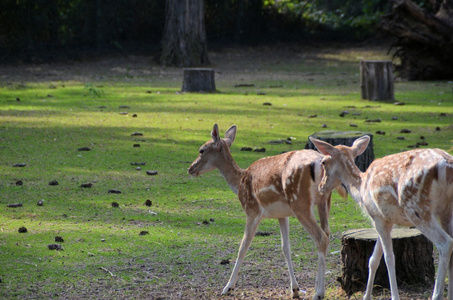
{"points": [[276, 187], [412, 188]]}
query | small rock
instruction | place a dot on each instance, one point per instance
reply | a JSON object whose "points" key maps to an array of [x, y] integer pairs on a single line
{"points": [[405, 131], [437, 128], [55, 247], [225, 261], [86, 185], [136, 145], [399, 103], [90, 254], [137, 134], [380, 132], [124, 106], [40, 203], [373, 120], [19, 182], [312, 116], [246, 149], [53, 182], [138, 163], [402, 138], [59, 239], [115, 204], [113, 191], [138, 168], [442, 114], [353, 125], [103, 240], [84, 149], [394, 118], [143, 232], [19, 165], [324, 126], [134, 116], [260, 150], [152, 173], [23, 229], [262, 233], [15, 205], [148, 203], [205, 222], [267, 104], [123, 113]]}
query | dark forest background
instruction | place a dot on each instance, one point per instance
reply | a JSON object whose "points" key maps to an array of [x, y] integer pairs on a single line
{"points": [[42, 30]]}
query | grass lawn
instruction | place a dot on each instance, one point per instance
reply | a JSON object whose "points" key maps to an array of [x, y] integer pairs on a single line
{"points": [[129, 111]]}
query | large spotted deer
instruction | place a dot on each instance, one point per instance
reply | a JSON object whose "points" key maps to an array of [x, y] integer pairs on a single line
{"points": [[273, 187], [412, 188]]}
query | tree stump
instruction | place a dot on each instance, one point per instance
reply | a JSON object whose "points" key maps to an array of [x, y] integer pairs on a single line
{"points": [[414, 261], [198, 80], [376, 80], [346, 138]]}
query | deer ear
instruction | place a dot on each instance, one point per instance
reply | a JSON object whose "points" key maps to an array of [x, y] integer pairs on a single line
{"points": [[323, 147], [360, 145], [230, 135], [215, 134]]}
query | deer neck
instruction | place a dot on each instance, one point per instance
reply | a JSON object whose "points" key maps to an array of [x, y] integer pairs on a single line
{"points": [[229, 169], [352, 178]]}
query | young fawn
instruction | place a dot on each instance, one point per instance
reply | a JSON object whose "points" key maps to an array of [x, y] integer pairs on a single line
{"points": [[412, 188], [273, 187]]}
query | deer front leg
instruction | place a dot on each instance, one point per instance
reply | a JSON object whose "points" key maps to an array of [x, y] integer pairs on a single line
{"points": [[323, 212], [373, 265], [384, 231], [250, 229], [286, 247]]}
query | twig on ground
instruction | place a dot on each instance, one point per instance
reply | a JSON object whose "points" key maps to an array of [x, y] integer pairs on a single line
{"points": [[111, 274]]}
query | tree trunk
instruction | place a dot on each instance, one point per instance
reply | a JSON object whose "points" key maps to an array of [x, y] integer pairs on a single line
{"points": [[184, 43], [376, 80], [425, 40], [198, 80], [334, 138], [414, 262]]}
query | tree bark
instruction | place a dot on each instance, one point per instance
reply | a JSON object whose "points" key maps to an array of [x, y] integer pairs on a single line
{"points": [[414, 262], [198, 80], [376, 80], [425, 39], [184, 43]]}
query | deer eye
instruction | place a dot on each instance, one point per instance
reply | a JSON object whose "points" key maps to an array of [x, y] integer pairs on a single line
{"points": [[201, 151]]}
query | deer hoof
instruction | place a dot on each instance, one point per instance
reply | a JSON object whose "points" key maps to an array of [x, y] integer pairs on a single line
{"points": [[226, 291], [318, 297], [296, 294]]}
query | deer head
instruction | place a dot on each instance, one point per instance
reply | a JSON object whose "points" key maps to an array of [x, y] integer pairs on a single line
{"points": [[211, 153]]}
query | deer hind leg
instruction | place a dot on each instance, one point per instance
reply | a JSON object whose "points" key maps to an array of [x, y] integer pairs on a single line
{"points": [[250, 229], [286, 247], [444, 244], [373, 265], [384, 230], [447, 224], [306, 218]]}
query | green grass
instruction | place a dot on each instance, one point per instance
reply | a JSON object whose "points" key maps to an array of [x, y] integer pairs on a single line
{"points": [[54, 118]]}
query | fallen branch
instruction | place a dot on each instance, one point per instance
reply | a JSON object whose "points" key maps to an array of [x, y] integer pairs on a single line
{"points": [[106, 270]]}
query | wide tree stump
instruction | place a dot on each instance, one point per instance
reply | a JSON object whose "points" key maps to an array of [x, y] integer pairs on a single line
{"points": [[346, 138], [198, 80], [414, 261], [376, 80]]}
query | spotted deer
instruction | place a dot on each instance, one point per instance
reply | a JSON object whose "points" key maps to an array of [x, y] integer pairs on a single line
{"points": [[412, 188], [273, 187]]}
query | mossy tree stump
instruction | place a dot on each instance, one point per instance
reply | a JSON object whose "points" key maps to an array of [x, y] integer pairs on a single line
{"points": [[376, 80], [346, 138], [414, 261], [198, 80]]}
